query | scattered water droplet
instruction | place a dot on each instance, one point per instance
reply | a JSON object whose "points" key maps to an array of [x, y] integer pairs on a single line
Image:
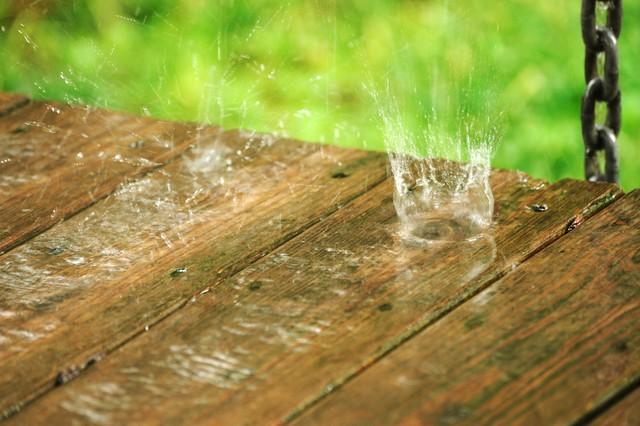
{"points": [[137, 144], [78, 260]]}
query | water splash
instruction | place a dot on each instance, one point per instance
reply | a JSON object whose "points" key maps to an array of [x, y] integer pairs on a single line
{"points": [[441, 173]]}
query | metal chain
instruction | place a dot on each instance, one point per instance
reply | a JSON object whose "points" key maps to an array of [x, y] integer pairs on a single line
{"points": [[601, 88]]}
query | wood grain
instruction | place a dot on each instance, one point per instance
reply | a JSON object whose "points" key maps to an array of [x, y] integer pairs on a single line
{"points": [[95, 281], [544, 345], [56, 160], [42, 136], [10, 102], [624, 413], [283, 332]]}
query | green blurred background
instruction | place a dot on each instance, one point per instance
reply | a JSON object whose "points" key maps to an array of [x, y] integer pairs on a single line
{"points": [[306, 68]]}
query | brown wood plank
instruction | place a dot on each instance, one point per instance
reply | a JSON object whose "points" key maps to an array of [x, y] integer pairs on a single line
{"points": [[91, 283], [287, 329], [624, 413], [10, 102], [56, 160], [545, 345], [42, 136]]}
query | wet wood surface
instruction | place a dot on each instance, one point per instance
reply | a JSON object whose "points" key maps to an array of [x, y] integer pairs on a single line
{"points": [[243, 279], [122, 265], [57, 160], [544, 345], [10, 102]]}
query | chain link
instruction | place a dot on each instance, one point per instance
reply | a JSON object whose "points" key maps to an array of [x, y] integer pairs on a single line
{"points": [[601, 88]]}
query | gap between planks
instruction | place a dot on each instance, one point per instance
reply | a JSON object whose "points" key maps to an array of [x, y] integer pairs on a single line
{"points": [[628, 394], [624, 412]]}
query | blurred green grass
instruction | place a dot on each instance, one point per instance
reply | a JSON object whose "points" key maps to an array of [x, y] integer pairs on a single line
{"points": [[300, 67]]}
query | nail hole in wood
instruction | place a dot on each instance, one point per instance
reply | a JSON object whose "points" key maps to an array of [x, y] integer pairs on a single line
{"points": [[256, 285], [385, 307], [177, 272], [539, 208], [19, 129], [339, 175], [621, 346]]}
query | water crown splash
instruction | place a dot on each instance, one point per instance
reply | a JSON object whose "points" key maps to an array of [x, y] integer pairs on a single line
{"points": [[441, 174]]}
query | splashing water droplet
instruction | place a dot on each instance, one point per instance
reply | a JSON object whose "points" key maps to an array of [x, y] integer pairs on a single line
{"points": [[441, 175]]}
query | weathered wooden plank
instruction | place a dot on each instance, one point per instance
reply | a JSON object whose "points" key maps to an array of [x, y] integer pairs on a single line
{"points": [[10, 102], [624, 413], [42, 136], [91, 283], [285, 330], [56, 160], [546, 344]]}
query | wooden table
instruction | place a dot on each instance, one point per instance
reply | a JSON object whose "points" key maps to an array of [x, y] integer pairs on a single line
{"points": [[164, 273]]}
